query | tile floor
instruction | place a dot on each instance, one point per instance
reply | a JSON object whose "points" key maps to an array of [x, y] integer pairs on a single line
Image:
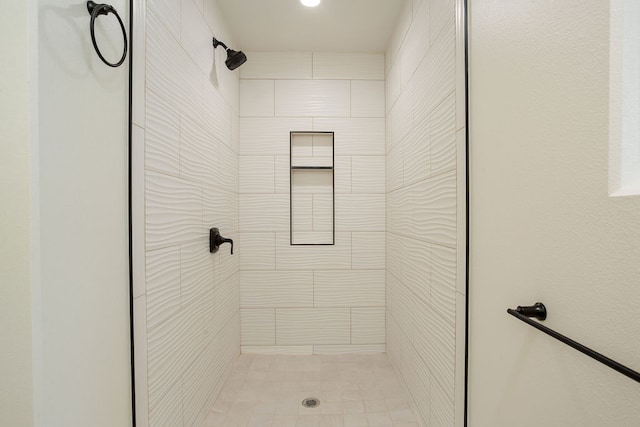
{"points": [[354, 390]]}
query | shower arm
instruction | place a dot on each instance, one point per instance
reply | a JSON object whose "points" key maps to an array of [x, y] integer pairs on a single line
{"points": [[217, 43]]}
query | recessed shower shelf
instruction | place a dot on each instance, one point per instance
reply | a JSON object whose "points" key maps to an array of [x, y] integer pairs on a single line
{"points": [[312, 188]]}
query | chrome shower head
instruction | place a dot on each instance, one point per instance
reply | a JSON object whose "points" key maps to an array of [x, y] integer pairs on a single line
{"points": [[234, 58]]}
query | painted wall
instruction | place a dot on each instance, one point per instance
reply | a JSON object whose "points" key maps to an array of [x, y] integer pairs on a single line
{"points": [[81, 290], [186, 181], [312, 299], [544, 227], [425, 186], [16, 387]]}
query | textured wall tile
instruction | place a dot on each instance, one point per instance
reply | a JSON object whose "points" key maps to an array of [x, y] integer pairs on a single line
{"points": [[257, 251], [227, 170], [174, 211], [435, 77], [368, 250], [277, 65], [302, 350], [301, 215], [337, 256], [196, 270], [282, 174], [269, 136], [257, 98], [169, 13], [163, 284], [162, 136], [140, 359], [443, 136], [368, 174], [258, 326], [394, 255], [257, 174], [416, 42], [351, 66], [358, 212], [400, 118], [416, 267], [195, 36], [342, 175], [441, 16], [443, 282], [356, 136], [309, 98], [417, 152], [367, 98], [166, 410], [312, 326], [395, 168], [217, 114], [171, 73], [348, 288], [276, 289], [368, 325], [260, 212], [198, 151], [433, 204], [349, 349], [323, 213]]}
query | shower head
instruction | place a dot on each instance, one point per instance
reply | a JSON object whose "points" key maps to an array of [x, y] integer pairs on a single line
{"points": [[234, 58]]}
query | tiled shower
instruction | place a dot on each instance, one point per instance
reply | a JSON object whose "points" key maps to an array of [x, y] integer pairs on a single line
{"points": [[211, 149]]}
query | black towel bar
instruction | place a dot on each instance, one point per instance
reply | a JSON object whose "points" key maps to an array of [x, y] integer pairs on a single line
{"points": [[539, 311]]}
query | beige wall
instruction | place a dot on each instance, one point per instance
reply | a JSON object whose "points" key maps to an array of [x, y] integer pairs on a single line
{"points": [[16, 390], [81, 296], [543, 227]]}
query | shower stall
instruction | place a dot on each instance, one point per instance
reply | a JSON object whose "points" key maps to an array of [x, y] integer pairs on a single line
{"points": [[214, 151], [246, 152]]}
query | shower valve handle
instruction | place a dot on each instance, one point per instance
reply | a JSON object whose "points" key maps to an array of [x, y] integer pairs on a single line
{"points": [[215, 240]]}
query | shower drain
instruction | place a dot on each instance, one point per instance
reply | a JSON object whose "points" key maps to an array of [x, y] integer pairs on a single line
{"points": [[311, 402]]}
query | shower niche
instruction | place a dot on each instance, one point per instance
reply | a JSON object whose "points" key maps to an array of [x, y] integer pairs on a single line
{"points": [[311, 188]]}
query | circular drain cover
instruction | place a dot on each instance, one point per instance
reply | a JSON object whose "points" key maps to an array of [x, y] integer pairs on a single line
{"points": [[311, 402]]}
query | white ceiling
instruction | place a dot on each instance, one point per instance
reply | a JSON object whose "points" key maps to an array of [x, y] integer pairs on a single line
{"points": [[334, 25]]}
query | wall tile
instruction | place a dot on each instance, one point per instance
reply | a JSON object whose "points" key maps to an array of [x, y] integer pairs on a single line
{"points": [[269, 137], [367, 98], [368, 325], [309, 98], [352, 66], [162, 148], [355, 137], [312, 326], [259, 212], [290, 257], [368, 250], [257, 251], [433, 205], [140, 360], [416, 267], [303, 350], [416, 42], [348, 288], [197, 153], [257, 98], [443, 282], [417, 152], [368, 174], [277, 65], [342, 174], [258, 326], [257, 174], [163, 284], [360, 212], [443, 136], [276, 289], [349, 349], [174, 211], [195, 36]]}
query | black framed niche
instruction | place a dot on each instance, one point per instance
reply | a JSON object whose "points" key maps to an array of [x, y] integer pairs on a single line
{"points": [[311, 188]]}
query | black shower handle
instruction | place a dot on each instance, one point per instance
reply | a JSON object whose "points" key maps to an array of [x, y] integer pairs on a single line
{"points": [[215, 240]]}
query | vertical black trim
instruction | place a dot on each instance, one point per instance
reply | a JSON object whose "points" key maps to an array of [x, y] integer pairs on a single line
{"points": [[467, 208], [130, 213]]}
